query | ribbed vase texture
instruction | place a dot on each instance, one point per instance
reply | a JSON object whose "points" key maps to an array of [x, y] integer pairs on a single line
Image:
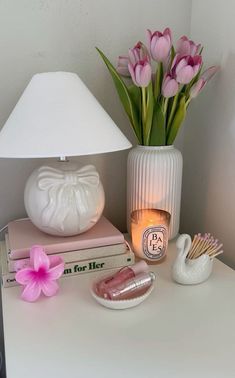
{"points": [[154, 179]]}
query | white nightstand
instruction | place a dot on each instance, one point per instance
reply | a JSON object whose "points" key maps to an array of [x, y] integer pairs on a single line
{"points": [[180, 331]]}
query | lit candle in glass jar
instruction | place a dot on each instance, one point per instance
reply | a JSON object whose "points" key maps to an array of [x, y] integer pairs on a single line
{"points": [[149, 233]]}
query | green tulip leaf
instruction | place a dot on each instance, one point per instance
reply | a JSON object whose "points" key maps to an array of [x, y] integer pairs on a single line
{"points": [[158, 132], [135, 94], [177, 121], [125, 96]]}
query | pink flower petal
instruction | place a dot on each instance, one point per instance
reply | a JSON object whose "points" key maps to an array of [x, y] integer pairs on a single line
{"points": [[123, 60], [196, 88], [38, 258], [168, 32], [56, 272], [132, 72], [181, 64], [170, 88], [210, 72], [123, 71], [196, 69], [197, 59], [176, 60], [193, 48], [162, 49], [31, 292], [49, 288], [185, 75], [138, 69], [132, 56], [146, 74], [24, 276], [183, 47], [122, 66], [153, 46]]}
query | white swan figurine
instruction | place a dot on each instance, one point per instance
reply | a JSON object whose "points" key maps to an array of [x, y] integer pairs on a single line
{"points": [[190, 271]]}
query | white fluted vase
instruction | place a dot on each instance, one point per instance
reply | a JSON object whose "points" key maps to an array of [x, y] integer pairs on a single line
{"points": [[154, 180]]}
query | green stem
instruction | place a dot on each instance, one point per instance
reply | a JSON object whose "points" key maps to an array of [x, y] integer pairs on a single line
{"points": [[172, 113], [165, 106], [144, 113], [157, 88]]}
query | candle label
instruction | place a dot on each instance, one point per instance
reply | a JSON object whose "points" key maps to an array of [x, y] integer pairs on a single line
{"points": [[155, 242]]}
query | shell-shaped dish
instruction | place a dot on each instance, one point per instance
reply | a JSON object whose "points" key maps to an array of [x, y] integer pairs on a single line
{"points": [[124, 303]]}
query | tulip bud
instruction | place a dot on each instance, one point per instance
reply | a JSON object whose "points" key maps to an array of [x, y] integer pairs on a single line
{"points": [[159, 44], [184, 46], [138, 52], [203, 80], [141, 73], [122, 66]]}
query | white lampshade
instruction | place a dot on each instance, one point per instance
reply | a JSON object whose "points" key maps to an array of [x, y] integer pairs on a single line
{"points": [[57, 116]]}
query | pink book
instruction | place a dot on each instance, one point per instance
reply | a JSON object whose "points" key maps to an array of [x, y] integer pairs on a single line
{"points": [[23, 234]]}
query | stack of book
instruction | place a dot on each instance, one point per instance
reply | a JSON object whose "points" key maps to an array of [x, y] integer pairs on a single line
{"points": [[102, 247]]}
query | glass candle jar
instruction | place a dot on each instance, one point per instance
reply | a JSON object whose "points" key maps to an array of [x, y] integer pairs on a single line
{"points": [[149, 233]]}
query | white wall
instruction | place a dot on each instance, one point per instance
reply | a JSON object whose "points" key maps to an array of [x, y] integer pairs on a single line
{"points": [[209, 146], [49, 35]]}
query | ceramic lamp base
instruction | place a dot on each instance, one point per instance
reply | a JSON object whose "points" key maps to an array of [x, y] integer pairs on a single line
{"points": [[64, 200]]}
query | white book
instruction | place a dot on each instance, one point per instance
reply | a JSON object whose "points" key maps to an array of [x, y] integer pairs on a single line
{"points": [[70, 256], [73, 268]]}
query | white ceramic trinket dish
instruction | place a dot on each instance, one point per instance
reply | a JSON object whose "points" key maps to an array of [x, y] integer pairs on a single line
{"points": [[123, 303]]}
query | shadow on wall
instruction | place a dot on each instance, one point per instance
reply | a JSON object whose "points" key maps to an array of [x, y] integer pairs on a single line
{"points": [[209, 176]]}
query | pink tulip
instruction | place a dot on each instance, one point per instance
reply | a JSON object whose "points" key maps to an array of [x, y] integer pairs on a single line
{"points": [[203, 80], [40, 275], [122, 66], [186, 67], [159, 44], [141, 72], [138, 52], [169, 86], [184, 46]]}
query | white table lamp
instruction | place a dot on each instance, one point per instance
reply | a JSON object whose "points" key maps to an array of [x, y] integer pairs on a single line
{"points": [[57, 116]]}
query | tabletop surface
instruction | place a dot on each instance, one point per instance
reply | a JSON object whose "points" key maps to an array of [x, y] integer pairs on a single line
{"points": [[179, 331]]}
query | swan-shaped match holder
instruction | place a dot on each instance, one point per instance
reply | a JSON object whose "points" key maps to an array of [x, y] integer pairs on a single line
{"points": [[194, 261]]}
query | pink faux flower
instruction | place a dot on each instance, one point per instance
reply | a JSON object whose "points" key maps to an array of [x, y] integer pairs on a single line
{"points": [[186, 67], [169, 86], [159, 44], [185, 46], [40, 275], [141, 73]]}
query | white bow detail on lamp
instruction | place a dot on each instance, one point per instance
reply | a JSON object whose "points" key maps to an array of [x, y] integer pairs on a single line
{"points": [[57, 116], [57, 191]]}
